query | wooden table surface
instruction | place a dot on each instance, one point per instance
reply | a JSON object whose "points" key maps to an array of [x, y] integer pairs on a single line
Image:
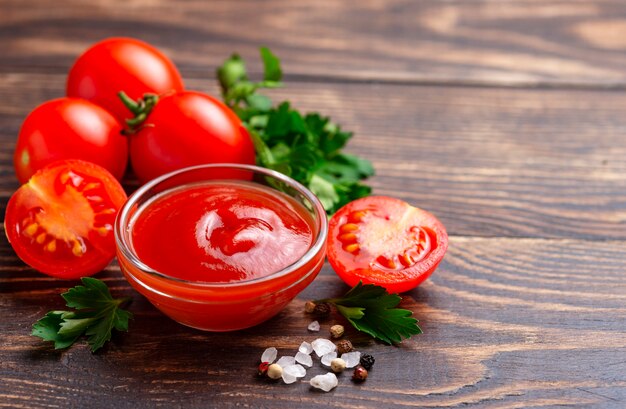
{"points": [[507, 119]]}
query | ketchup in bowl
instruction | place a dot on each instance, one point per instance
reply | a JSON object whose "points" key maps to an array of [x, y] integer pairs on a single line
{"points": [[217, 253]]}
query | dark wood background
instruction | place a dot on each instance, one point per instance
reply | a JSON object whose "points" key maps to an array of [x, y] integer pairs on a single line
{"points": [[507, 119]]}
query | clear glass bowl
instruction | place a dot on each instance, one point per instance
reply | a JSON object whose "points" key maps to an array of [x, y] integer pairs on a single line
{"points": [[220, 306]]}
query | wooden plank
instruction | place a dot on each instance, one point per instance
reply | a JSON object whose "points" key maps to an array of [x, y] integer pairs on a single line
{"points": [[488, 162], [507, 323], [484, 41]]}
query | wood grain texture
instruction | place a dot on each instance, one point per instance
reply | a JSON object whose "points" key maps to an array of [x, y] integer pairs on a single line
{"points": [[488, 162], [507, 323], [493, 115], [561, 42]]}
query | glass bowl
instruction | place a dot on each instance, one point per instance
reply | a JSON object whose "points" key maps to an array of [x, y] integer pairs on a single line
{"points": [[220, 306]]}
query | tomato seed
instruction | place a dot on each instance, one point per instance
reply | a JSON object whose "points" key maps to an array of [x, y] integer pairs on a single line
{"points": [[102, 231], [386, 262], [351, 248], [406, 260], [77, 249], [95, 199], [51, 246], [31, 229], [64, 177], [357, 216], [41, 238], [348, 227], [347, 238], [91, 186]]}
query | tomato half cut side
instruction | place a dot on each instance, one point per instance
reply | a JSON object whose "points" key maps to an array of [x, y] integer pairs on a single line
{"points": [[61, 221], [385, 241]]}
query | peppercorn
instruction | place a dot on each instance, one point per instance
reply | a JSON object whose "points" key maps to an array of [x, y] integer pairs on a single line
{"points": [[336, 331], [367, 361], [322, 308], [274, 371], [337, 365], [344, 346], [263, 368], [360, 374], [309, 307]]}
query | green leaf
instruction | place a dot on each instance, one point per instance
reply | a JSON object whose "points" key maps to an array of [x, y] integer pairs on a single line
{"points": [[279, 122], [73, 328], [120, 319], [259, 102], [231, 72], [361, 294], [388, 325], [94, 294], [351, 313], [325, 191], [100, 332], [47, 328], [351, 191], [306, 147], [96, 316], [371, 309], [257, 121], [271, 64]]}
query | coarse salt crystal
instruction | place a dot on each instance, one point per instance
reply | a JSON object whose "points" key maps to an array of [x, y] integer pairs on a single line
{"points": [[324, 382], [305, 348], [327, 359], [288, 378], [314, 326], [269, 355], [286, 361], [304, 359], [323, 346], [352, 359], [295, 370]]}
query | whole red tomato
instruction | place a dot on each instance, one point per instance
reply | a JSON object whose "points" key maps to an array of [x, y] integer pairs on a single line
{"points": [[185, 129], [121, 64], [70, 128]]}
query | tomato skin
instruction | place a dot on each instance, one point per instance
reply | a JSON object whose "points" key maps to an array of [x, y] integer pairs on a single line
{"points": [[67, 206], [69, 128], [413, 242], [186, 129], [121, 64]]}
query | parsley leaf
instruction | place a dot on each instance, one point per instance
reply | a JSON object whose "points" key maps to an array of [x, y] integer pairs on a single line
{"points": [[371, 309], [96, 316], [306, 147]]}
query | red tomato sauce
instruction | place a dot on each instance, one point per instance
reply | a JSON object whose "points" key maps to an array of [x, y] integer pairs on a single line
{"points": [[220, 232], [217, 246]]}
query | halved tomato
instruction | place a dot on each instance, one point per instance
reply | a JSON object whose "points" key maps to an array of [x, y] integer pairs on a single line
{"points": [[61, 221], [385, 241]]}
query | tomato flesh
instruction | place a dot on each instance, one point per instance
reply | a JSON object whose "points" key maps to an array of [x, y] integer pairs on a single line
{"points": [[61, 221], [385, 241]]}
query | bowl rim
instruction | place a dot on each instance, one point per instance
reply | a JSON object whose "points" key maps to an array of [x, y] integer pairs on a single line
{"points": [[122, 222]]}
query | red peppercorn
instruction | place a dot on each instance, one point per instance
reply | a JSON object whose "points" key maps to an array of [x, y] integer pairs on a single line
{"points": [[360, 374], [263, 368]]}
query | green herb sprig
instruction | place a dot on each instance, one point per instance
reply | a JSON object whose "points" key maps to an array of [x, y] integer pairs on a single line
{"points": [[96, 316], [306, 147], [371, 309]]}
